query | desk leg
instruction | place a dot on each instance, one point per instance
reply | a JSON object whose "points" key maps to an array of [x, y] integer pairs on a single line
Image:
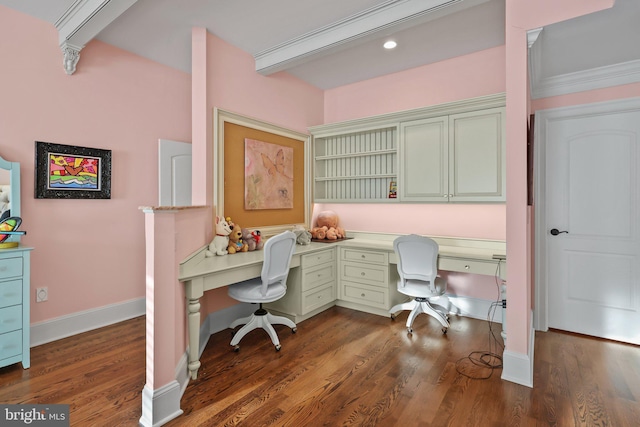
{"points": [[194, 336]]}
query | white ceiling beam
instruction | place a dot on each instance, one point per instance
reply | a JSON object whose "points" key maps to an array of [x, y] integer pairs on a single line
{"points": [[81, 22], [390, 15]]}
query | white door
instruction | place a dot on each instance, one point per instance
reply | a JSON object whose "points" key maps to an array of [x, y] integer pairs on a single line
{"points": [[174, 170], [592, 199]]}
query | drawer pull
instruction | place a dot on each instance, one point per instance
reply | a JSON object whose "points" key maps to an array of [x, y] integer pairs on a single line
{"points": [[3, 268], [362, 295], [362, 274], [466, 267], [363, 256]]}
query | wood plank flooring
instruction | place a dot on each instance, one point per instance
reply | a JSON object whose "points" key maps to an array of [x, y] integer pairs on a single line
{"points": [[342, 368]]}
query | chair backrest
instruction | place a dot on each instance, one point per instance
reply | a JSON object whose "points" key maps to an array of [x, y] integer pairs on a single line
{"points": [[417, 258], [278, 251]]}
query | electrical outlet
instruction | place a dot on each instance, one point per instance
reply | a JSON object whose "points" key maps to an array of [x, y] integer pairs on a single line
{"points": [[42, 294]]}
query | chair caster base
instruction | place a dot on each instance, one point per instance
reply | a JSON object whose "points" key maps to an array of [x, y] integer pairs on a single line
{"points": [[409, 330], [444, 331], [294, 330], [393, 317], [236, 348], [278, 347]]}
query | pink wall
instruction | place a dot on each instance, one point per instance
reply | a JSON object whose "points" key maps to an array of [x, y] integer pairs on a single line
{"points": [[522, 16], [90, 253], [477, 74]]}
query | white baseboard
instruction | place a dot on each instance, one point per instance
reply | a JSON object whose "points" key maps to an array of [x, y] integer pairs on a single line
{"points": [[518, 367], [161, 405], [474, 307], [83, 321]]}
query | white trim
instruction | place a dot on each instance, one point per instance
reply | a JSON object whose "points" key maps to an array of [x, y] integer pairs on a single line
{"points": [[474, 307], [517, 367], [390, 16], [83, 321], [161, 405], [541, 320], [220, 117], [580, 81]]}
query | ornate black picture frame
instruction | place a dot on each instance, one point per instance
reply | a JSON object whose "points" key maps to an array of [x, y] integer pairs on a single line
{"points": [[71, 172]]}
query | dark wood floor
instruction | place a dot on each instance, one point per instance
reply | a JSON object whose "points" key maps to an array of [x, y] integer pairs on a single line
{"points": [[342, 368]]}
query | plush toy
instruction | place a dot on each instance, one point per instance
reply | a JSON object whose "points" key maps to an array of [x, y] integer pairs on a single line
{"points": [[327, 227], [235, 241], [218, 245], [253, 239], [5, 203], [303, 237]]}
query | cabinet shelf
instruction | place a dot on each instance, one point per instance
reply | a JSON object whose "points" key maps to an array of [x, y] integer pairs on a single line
{"points": [[343, 178], [357, 154]]}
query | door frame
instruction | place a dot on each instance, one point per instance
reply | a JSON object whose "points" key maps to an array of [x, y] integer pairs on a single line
{"points": [[542, 117]]}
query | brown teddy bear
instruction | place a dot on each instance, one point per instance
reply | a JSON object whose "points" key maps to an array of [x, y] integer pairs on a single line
{"points": [[327, 227], [236, 244]]}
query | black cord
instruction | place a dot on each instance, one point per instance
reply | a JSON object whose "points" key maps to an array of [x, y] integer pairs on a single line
{"points": [[490, 359]]}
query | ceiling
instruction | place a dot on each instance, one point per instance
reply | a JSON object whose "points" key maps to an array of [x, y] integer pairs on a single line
{"points": [[331, 43]]}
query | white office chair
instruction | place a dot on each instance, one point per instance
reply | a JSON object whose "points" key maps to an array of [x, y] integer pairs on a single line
{"points": [[269, 287], [417, 268]]}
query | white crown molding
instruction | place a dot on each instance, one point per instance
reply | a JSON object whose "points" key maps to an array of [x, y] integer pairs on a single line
{"points": [[595, 78], [81, 22], [390, 15]]}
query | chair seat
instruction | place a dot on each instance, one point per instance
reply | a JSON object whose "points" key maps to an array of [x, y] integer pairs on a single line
{"points": [[251, 291], [421, 289]]}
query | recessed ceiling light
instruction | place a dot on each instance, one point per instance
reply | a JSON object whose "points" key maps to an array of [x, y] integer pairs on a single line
{"points": [[390, 44]]}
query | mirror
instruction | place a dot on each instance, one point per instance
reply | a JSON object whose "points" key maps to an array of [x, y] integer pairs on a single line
{"points": [[10, 192]]}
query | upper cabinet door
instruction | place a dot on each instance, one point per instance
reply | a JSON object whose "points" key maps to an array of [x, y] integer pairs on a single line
{"points": [[477, 161], [424, 160]]}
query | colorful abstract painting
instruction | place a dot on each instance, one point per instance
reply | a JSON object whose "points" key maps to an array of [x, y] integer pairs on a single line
{"points": [[268, 175], [71, 172]]}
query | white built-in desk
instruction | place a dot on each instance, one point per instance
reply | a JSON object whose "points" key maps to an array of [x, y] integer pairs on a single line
{"points": [[201, 274]]}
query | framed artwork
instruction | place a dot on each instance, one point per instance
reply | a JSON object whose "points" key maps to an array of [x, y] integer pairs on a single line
{"points": [[71, 172], [268, 175]]}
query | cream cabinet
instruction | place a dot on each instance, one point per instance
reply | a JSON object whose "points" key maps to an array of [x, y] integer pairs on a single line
{"points": [[453, 152], [455, 158], [310, 288], [365, 281]]}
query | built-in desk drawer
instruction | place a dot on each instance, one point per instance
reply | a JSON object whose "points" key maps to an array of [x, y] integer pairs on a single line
{"points": [[361, 255], [10, 344], [467, 266], [10, 318], [10, 293], [313, 277], [376, 275], [10, 267], [318, 297], [317, 258], [363, 294]]}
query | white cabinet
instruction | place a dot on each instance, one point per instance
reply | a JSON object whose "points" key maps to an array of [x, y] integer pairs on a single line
{"points": [[452, 152], [365, 281], [310, 288], [355, 167], [455, 158]]}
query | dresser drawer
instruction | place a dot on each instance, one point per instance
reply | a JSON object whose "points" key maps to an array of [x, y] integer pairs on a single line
{"points": [[376, 275], [10, 293], [467, 266], [361, 255], [317, 298], [10, 318], [10, 267], [363, 294], [315, 276], [317, 258], [10, 344]]}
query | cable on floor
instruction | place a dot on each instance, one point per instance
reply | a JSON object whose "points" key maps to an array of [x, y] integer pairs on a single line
{"points": [[490, 360]]}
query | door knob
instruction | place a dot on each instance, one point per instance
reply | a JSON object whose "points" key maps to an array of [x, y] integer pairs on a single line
{"points": [[555, 232]]}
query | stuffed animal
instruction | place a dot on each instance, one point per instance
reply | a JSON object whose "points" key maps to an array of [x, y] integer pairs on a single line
{"points": [[235, 241], [303, 237], [253, 239], [220, 242], [327, 227]]}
